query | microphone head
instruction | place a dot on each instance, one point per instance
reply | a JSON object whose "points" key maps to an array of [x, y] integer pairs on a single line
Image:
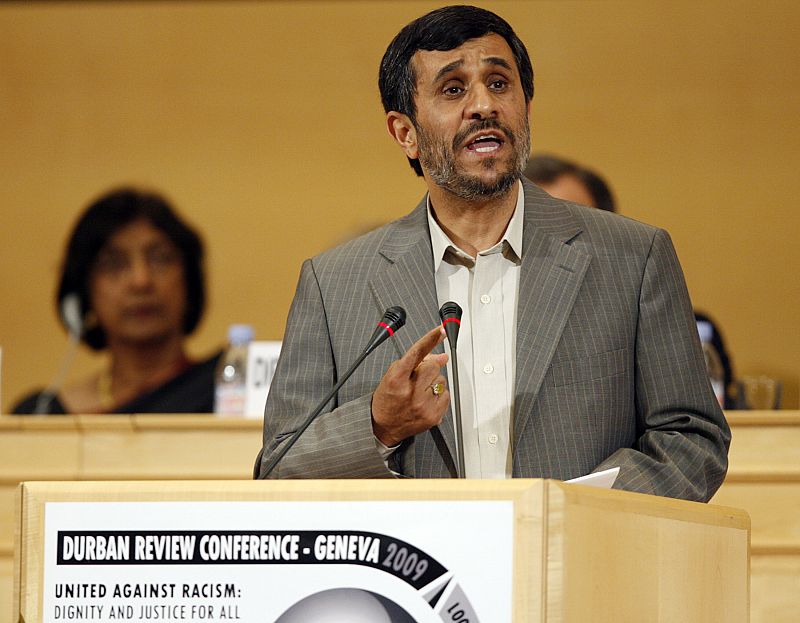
{"points": [[394, 318], [71, 314], [450, 313]]}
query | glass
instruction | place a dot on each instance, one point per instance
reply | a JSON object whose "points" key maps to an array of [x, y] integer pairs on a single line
{"points": [[759, 393]]}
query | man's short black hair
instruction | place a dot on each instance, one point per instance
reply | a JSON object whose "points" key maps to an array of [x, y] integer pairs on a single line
{"points": [[598, 189], [545, 169], [443, 29], [104, 218]]}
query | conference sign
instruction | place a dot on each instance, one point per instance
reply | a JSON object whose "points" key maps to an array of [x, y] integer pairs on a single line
{"points": [[279, 562]]}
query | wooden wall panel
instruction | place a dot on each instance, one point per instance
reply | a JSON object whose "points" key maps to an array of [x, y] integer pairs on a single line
{"points": [[774, 508], [7, 518], [6, 586], [774, 588], [218, 449], [262, 122]]}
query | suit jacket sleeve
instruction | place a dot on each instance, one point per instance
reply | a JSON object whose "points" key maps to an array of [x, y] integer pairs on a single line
{"points": [[682, 436], [340, 443]]}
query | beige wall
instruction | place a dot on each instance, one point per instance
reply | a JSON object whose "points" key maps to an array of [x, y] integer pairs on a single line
{"points": [[263, 123]]}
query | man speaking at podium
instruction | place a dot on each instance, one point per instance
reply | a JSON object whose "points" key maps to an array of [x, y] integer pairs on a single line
{"points": [[578, 349]]}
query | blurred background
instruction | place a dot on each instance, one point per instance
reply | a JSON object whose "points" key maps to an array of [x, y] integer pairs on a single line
{"points": [[262, 122]]}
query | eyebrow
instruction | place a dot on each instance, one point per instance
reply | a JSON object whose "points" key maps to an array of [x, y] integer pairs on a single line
{"points": [[490, 60], [447, 69]]}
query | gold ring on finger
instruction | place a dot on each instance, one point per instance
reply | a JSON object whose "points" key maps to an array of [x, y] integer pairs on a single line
{"points": [[437, 388]]}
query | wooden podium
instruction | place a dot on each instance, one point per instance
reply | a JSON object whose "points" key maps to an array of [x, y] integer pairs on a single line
{"points": [[579, 554]]}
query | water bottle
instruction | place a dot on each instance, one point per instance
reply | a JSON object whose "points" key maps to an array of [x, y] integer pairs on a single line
{"points": [[716, 373], [231, 376]]}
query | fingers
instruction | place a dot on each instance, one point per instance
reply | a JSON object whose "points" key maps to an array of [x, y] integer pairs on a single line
{"points": [[420, 350], [429, 371], [416, 408], [404, 403]]}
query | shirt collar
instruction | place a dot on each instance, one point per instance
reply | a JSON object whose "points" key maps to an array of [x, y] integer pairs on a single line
{"points": [[441, 243]]}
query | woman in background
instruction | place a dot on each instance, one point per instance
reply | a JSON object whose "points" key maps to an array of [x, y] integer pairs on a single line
{"points": [[135, 270]]}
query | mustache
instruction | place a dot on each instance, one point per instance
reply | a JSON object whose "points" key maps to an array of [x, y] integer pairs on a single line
{"points": [[481, 126]]}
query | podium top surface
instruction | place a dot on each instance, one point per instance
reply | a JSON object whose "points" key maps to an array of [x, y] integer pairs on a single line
{"points": [[531, 492]]}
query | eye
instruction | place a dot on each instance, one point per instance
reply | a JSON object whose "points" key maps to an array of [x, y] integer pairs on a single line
{"points": [[111, 263], [162, 257], [498, 84], [452, 90]]}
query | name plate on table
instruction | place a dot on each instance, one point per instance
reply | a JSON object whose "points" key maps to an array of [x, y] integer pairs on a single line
{"points": [[283, 562], [262, 357]]}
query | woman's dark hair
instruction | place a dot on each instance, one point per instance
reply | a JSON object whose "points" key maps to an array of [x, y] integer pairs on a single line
{"points": [[443, 29], [545, 169], [104, 218]]}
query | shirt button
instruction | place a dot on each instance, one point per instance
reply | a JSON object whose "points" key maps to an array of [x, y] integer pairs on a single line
{"points": [[488, 368], [486, 299], [492, 438]]}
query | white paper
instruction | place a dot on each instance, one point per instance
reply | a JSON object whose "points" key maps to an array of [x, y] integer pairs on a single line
{"points": [[603, 479]]}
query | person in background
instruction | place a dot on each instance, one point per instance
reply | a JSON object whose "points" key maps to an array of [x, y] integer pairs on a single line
{"points": [[136, 271], [567, 180], [725, 359]]}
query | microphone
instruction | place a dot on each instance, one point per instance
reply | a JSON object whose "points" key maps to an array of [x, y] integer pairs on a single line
{"points": [[393, 319], [71, 314], [450, 313], [73, 319]]}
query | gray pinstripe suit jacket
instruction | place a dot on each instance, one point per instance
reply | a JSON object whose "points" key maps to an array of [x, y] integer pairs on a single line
{"points": [[609, 370]]}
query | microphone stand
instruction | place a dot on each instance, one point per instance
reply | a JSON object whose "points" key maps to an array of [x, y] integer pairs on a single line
{"points": [[462, 470], [450, 313], [393, 319], [296, 435]]}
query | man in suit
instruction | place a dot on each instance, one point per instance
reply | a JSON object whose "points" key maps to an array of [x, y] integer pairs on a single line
{"points": [[578, 349]]}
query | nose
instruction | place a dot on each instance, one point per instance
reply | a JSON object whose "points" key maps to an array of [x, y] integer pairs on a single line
{"points": [[480, 103], [141, 273]]}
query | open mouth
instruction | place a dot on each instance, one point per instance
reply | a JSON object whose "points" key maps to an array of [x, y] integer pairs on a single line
{"points": [[485, 143]]}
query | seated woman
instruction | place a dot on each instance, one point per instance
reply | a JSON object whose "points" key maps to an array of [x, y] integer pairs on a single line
{"points": [[136, 270]]}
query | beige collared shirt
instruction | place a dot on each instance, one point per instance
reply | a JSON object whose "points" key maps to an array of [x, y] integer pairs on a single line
{"points": [[486, 288]]}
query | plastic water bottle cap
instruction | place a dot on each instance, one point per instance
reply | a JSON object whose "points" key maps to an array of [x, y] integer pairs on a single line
{"points": [[705, 330], [240, 333]]}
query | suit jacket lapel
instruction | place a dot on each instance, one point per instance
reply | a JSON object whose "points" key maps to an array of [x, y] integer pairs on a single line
{"points": [[408, 281], [551, 275]]}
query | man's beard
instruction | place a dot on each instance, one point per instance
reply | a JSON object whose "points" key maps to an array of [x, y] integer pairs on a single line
{"points": [[438, 159]]}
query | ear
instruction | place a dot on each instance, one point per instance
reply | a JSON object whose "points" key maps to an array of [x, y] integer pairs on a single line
{"points": [[403, 132]]}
